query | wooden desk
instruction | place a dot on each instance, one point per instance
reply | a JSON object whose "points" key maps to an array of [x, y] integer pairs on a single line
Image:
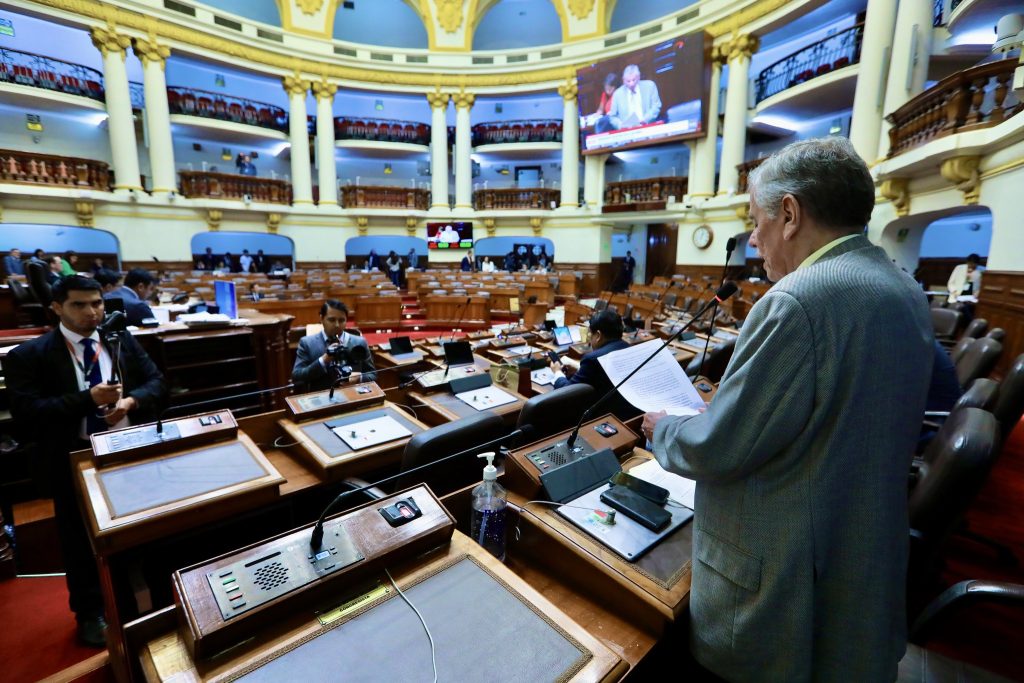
{"points": [[448, 310], [379, 311], [443, 407], [304, 311]]}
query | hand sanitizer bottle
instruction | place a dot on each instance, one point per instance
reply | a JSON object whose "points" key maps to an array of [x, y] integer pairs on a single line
{"points": [[489, 505]]}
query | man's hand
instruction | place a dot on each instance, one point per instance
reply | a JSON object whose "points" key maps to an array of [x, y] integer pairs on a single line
{"points": [[121, 408], [556, 366], [568, 371], [650, 421], [104, 394]]}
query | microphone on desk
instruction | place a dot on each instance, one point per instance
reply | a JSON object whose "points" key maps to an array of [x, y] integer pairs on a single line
{"points": [[730, 246], [163, 413], [462, 314], [723, 293], [317, 537]]}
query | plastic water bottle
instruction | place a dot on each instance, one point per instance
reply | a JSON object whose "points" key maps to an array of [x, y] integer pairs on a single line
{"points": [[489, 507]]}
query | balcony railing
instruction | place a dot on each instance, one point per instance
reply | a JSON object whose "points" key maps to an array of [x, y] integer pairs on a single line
{"points": [[208, 185], [744, 170], [137, 93], [381, 130], [974, 98], [817, 59], [647, 191], [222, 107], [45, 169], [501, 132], [511, 198], [26, 68], [937, 13], [384, 197]]}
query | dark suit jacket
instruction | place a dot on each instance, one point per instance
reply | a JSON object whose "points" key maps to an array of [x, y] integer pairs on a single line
{"points": [[48, 405], [135, 309], [309, 375], [592, 373]]}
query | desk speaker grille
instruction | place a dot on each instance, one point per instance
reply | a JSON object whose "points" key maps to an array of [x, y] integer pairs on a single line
{"points": [[270, 576]]}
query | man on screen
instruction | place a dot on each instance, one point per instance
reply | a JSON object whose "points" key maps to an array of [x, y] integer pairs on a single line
{"points": [[634, 103]]}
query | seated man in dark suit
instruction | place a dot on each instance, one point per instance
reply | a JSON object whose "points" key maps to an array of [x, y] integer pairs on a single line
{"points": [[60, 393], [316, 369], [605, 337], [139, 285]]}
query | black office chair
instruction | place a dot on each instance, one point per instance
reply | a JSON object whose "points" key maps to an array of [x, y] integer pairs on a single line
{"points": [[26, 304], [37, 282], [957, 351], [669, 300], [1009, 405], [557, 410], [978, 360], [946, 322], [439, 442], [975, 329], [997, 333], [715, 363]]}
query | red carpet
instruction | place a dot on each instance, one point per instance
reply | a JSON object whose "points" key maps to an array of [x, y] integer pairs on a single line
{"points": [[38, 630]]}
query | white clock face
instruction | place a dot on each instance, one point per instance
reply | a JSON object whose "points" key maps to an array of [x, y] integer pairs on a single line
{"points": [[702, 237]]}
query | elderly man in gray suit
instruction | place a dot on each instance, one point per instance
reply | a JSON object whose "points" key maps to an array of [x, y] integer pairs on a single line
{"points": [[314, 368], [801, 459], [634, 103]]}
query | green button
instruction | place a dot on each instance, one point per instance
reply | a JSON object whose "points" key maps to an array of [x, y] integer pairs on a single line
{"points": [[227, 581]]}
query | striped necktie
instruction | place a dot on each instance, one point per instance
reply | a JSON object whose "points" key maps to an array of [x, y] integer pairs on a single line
{"points": [[91, 368]]}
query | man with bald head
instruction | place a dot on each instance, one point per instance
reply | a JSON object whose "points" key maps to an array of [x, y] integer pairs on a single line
{"points": [[801, 535]]}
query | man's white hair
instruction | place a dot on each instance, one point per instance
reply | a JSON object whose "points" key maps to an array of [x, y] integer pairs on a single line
{"points": [[630, 70]]}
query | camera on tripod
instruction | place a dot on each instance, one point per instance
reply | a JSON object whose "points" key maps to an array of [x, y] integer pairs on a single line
{"points": [[343, 358]]}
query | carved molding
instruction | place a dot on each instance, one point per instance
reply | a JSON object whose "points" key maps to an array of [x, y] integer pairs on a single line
{"points": [[581, 9], [490, 224], [295, 85], [323, 89], [362, 222], [273, 222], [741, 46], [310, 7], [720, 54], [410, 225], [536, 224], [107, 40], [449, 14], [213, 218], [569, 90], [897, 190], [151, 51], [743, 213], [84, 212], [463, 100], [963, 172], [438, 99]]}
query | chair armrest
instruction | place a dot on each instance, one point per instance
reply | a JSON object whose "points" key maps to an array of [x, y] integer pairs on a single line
{"points": [[372, 493], [965, 593]]}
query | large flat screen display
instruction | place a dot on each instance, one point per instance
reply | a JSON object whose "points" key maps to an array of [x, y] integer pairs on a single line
{"points": [[454, 235], [646, 97]]}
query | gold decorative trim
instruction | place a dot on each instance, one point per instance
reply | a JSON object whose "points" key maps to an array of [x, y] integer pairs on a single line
{"points": [[741, 46], [129, 187], [463, 99], [362, 224], [897, 190], [536, 223], [107, 40], [410, 225], [963, 172], [324, 90], [273, 222], [213, 218], [295, 85], [489, 224], [310, 7], [449, 14], [737, 20], [438, 99], [581, 9], [84, 212], [569, 90], [998, 170], [151, 51]]}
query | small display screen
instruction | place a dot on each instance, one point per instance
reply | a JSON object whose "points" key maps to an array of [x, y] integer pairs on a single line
{"points": [[454, 235], [563, 337], [323, 555]]}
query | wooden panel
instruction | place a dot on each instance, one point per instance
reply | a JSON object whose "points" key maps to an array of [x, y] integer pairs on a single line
{"points": [[449, 310], [1002, 304], [378, 310], [596, 276]]}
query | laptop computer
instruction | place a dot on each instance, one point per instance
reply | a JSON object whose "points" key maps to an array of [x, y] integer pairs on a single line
{"points": [[458, 353]]}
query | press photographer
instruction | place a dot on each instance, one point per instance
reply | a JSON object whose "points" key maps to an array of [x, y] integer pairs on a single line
{"points": [[333, 354]]}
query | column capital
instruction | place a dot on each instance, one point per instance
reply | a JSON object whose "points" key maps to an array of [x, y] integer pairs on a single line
{"points": [[742, 46], [463, 99], [323, 90], [151, 51], [295, 85], [569, 90], [720, 54], [107, 40], [438, 99]]}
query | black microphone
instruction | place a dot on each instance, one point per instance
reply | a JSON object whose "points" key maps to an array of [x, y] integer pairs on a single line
{"points": [[316, 539], [730, 246], [724, 292], [163, 413], [465, 307]]}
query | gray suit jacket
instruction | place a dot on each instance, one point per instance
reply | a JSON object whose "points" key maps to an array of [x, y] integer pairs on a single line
{"points": [[649, 99], [800, 531], [309, 375]]}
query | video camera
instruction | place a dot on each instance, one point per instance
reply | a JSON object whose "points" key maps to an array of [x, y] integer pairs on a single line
{"points": [[343, 358]]}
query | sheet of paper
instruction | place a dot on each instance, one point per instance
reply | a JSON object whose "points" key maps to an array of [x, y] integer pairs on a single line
{"points": [[679, 488], [371, 432], [486, 398], [523, 350], [659, 385], [543, 376]]}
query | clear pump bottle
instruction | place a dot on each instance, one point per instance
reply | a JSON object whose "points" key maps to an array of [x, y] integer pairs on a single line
{"points": [[489, 510]]}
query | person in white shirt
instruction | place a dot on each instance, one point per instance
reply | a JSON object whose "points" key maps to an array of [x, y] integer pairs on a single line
{"points": [[965, 279], [449, 235], [245, 261], [487, 266]]}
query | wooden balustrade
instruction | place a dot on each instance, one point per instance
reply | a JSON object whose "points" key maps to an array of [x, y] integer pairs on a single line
{"points": [[29, 168], [744, 170], [648, 194], [384, 197], [955, 105], [511, 198], [207, 185]]}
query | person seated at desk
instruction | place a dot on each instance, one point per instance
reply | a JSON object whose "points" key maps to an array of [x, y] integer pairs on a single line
{"points": [[59, 392], [70, 261], [54, 269], [255, 292], [605, 337], [313, 364], [488, 265], [466, 265], [13, 264], [109, 280], [965, 280], [139, 286]]}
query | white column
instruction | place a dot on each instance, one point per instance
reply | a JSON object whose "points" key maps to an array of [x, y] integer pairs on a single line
{"points": [[866, 121], [702, 174], [593, 180], [908, 65], [463, 150], [734, 130], [326, 170], [439, 151], [158, 118], [570, 146], [121, 122], [302, 183]]}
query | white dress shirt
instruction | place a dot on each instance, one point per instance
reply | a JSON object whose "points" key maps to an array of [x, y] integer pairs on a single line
{"points": [[636, 103], [77, 351]]}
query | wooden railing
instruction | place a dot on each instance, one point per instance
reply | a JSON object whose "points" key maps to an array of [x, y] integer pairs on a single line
{"points": [[382, 196], [744, 170], [974, 98], [26, 68], [381, 130], [513, 198], [817, 59], [212, 105], [45, 169], [648, 193], [207, 185], [499, 132]]}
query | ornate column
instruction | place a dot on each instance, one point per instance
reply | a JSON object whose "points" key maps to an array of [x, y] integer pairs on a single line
{"points": [[734, 129], [908, 66], [302, 184], [702, 176], [570, 145], [327, 172], [463, 149], [866, 120], [593, 180], [158, 117], [439, 150], [121, 124]]}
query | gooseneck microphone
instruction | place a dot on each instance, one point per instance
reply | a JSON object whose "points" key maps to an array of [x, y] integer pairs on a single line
{"points": [[163, 413], [730, 246], [462, 314], [723, 293], [317, 537]]}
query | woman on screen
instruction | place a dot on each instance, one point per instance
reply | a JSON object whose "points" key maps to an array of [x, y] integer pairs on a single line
{"points": [[611, 83]]}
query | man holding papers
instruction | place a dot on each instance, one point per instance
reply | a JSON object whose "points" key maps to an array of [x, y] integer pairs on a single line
{"points": [[605, 337], [800, 533]]}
